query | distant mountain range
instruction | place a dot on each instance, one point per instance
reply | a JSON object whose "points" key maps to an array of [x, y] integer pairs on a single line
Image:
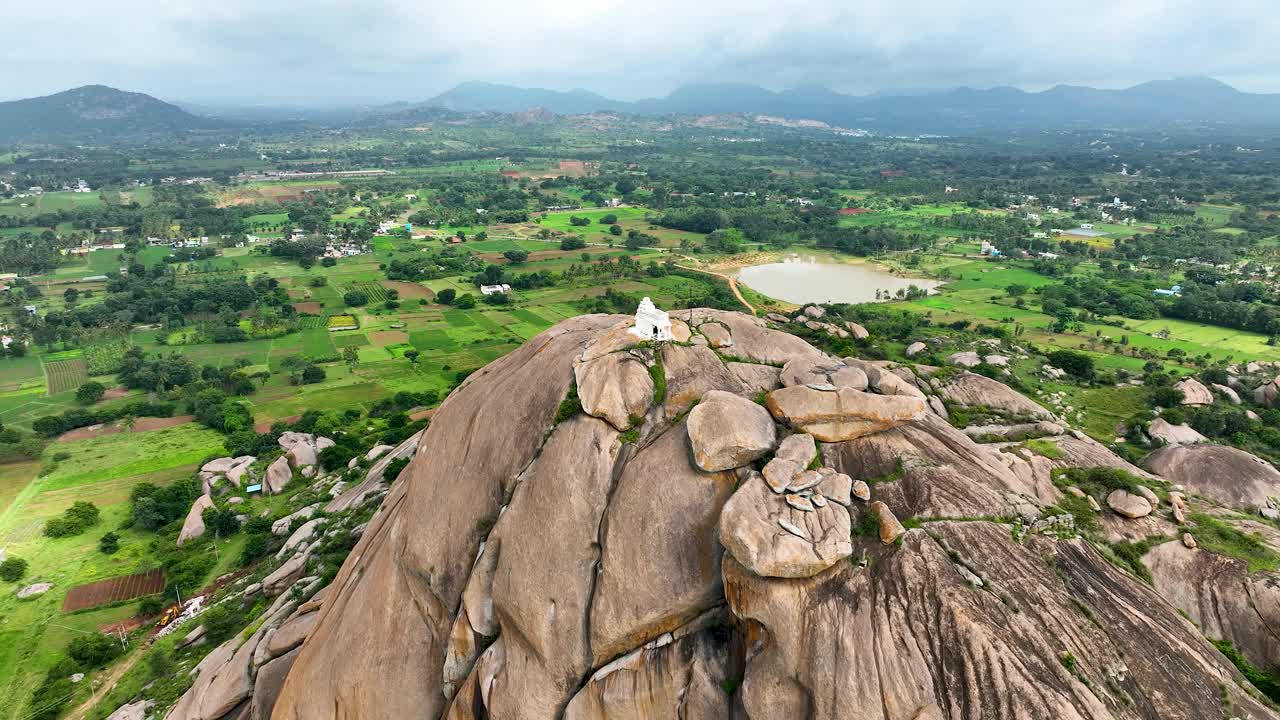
{"points": [[97, 113], [94, 113], [1157, 103]]}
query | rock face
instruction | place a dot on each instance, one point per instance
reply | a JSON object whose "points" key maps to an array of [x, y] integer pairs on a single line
{"points": [[522, 568], [1225, 474], [1222, 597]]}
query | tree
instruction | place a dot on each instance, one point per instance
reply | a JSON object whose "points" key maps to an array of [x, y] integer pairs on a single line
{"points": [[355, 298], [516, 256], [329, 261], [351, 357], [220, 521], [625, 186], [615, 230], [446, 296], [1076, 364], [312, 374], [90, 392], [572, 242], [609, 219], [1016, 290], [411, 355], [109, 543], [465, 301], [12, 569]]}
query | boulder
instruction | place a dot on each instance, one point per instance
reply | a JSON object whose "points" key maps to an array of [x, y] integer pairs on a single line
{"points": [[283, 577], [267, 683], [1169, 434], [996, 360], [132, 711], [964, 359], [615, 387], [1268, 394], [843, 414], [193, 526], [857, 331], [775, 539], [305, 533], [915, 349], [34, 590], [727, 431], [756, 378], [692, 372], [220, 465], [814, 312], [281, 526], [890, 528], [1225, 474], [717, 335], [377, 451], [1231, 395], [799, 448], [1129, 505], [1194, 392], [278, 476]]}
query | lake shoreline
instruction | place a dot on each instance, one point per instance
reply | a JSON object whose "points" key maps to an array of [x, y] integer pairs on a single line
{"points": [[799, 278]]}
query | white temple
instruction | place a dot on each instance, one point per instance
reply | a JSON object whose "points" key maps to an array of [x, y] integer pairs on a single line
{"points": [[651, 323]]}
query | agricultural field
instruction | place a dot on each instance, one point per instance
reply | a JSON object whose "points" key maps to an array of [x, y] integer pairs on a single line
{"points": [[66, 375]]}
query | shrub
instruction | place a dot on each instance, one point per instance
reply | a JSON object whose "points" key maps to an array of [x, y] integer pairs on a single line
{"points": [[94, 650], [90, 392], [220, 623], [12, 569], [394, 468], [73, 521], [109, 543]]}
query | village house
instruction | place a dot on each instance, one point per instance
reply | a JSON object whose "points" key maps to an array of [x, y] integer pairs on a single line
{"points": [[502, 289]]}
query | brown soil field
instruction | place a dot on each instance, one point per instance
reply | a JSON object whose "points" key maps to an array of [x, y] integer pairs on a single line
{"points": [[309, 308], [115, 393], [382, 338], [125, 587], [148, 423], [92, 431], [408, 290], [265, 425]]}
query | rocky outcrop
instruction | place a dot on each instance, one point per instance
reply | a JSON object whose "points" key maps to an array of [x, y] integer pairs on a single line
{"points": [[978, 391], [375, 480], [193, 526], [242, 679], [132, 711], [278, 475], [523, 568], [1225, 474]]}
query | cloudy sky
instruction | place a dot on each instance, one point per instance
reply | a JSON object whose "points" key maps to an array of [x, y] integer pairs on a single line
{"points": [[325, 52]]}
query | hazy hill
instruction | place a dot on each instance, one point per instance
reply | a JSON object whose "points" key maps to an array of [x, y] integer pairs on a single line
{"points": [[93, 113]]}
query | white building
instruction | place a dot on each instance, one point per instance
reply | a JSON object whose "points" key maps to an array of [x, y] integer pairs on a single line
{"points": [[651, 323], [495, 289]]}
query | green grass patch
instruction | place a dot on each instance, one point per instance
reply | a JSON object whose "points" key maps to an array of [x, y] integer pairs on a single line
{"points": [[1218, 536], [113, 456]]}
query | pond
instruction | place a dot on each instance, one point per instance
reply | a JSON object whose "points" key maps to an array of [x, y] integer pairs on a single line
{"points": [[810, 280]]}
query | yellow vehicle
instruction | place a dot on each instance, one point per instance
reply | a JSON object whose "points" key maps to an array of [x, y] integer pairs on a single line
{"points": [[170, 614]]}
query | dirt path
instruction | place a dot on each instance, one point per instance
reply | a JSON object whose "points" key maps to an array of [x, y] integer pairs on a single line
{"points": [[104, 686], [733, 285]]}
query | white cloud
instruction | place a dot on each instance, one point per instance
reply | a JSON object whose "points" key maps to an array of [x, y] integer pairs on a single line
{"points": [[325, 51]]}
